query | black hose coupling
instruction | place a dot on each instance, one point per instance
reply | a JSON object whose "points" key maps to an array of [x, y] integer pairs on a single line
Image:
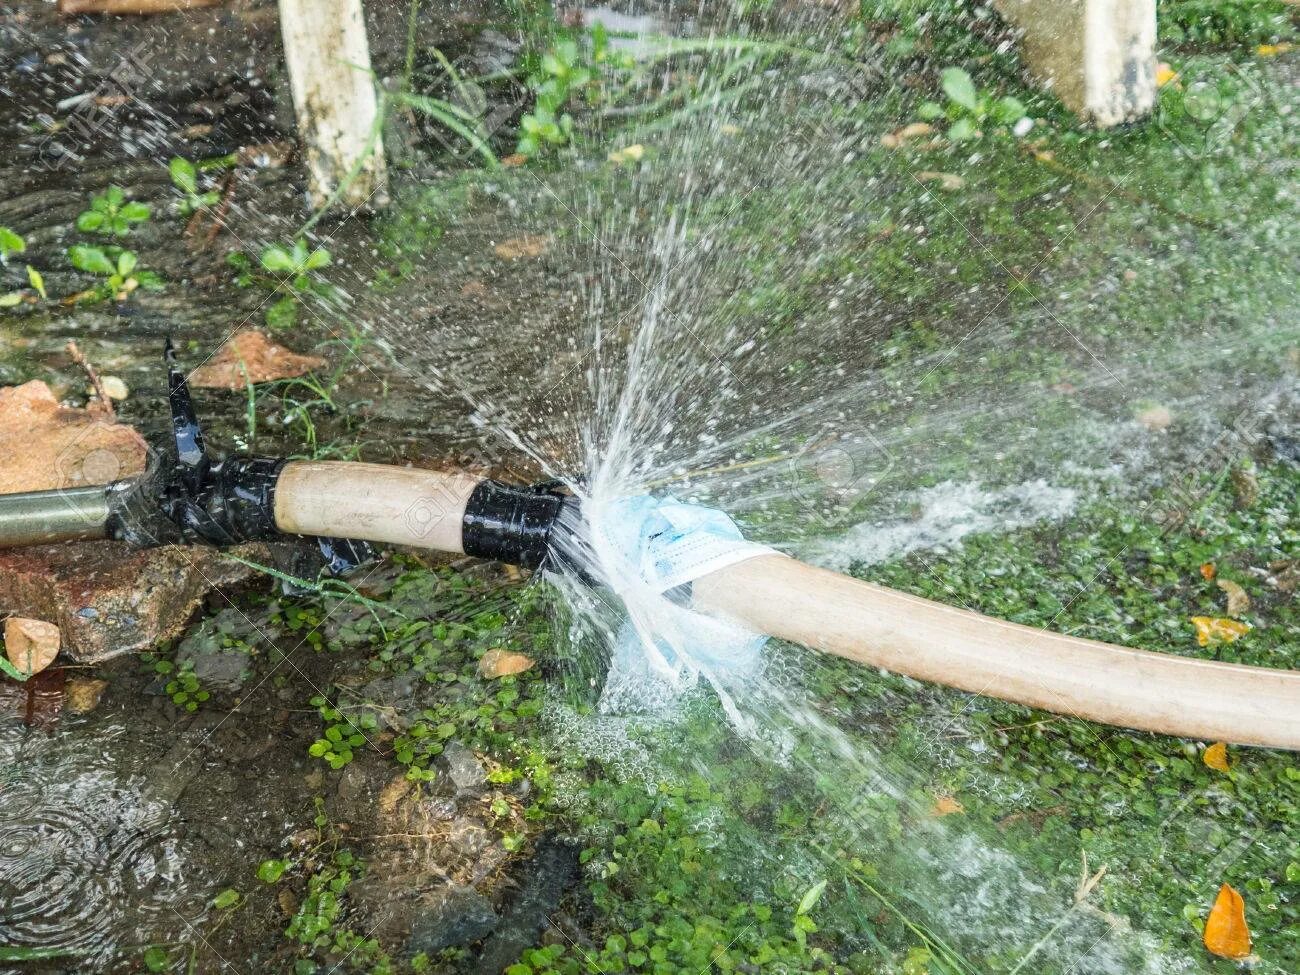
{"points": [[515, 524], [226, 501]]}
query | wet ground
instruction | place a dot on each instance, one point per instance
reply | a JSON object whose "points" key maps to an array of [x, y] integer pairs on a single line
{"points": [[1097, 283]]}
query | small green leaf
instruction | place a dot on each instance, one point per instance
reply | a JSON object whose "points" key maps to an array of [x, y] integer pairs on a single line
{"points": [[810, 899], [135, 212], [226, 899], [90, 220], [36, 280], [957, 85], [277, 259], [114, 196], [90, 259], [10, 242], [961, 130], [283, 314], [929, 111], [316, 259], [1008, 110], [271, 870], [155, 959], [184, 175], [11, 299], [126, 262]]}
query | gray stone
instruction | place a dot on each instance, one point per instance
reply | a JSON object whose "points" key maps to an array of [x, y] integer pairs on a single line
{"points": [[463, 768], [451, 916]]}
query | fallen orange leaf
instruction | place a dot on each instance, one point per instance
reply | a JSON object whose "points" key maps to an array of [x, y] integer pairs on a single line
{"points": [[1272, 50], [502, 663], [1226, 933], [250, 356], [1164, 74], [1207, 570], [1216, 756], [1213, 629], [945, 806]]}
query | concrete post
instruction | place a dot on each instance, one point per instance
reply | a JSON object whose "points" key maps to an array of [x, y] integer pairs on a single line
{"points": [[334, 98], [1097, 56]]}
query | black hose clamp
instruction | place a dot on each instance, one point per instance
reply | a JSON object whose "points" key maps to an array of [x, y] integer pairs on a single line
{"points": [[512, 523]]}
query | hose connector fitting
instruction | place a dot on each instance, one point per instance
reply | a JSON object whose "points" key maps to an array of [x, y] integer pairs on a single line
{"points": [[511, 523]]}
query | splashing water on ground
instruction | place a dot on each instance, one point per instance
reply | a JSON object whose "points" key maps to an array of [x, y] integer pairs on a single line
{"points": [[718, 320]]}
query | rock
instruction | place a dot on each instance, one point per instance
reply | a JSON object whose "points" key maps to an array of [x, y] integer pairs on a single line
{"points": [[81, 695], [218, 667], [31, 645], [108, 599], [49, 446], [502, 663], [263, 359], [545, 880], [114, 388], [464, 769], [451, 916], [1245, 486], [360, 785]]}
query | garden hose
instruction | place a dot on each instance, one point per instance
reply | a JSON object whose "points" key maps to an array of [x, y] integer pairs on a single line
{"points": [[347, 503]]}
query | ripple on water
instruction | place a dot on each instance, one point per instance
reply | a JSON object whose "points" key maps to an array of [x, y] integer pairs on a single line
{"points": [[86, 858]]}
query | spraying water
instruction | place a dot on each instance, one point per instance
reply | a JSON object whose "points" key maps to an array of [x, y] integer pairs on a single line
{"points": [[756, 295], [751, 305]]}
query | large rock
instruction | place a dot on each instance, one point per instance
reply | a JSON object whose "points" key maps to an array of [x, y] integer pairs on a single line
{"points": [[107, 598]]}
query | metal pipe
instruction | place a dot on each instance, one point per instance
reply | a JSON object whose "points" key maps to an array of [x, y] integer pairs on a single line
{"points": [[45, 517]]}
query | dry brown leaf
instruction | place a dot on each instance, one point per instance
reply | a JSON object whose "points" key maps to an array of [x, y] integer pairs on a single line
{"points": [[947, 181], [82, 694], [1213, 629], [49, 446], [503, 663], [31, 645], [1216, 756], [945, 806], [513, 160], [264, 360], [1238, 600], [1226, 932], [529, 245], [892, 140]]}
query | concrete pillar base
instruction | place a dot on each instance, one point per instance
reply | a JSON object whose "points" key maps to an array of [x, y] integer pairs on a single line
{"points": [[1097, 56]]}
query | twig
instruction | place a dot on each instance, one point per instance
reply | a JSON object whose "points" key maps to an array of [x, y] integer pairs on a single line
{"points": [[222, 208], [93, 376]]}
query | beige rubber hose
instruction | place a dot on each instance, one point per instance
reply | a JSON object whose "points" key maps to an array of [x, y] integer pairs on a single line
{"points": [[1067, 675], [872, 625]]}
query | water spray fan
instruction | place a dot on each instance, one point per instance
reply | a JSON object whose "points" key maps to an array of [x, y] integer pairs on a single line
{"points": [[738, 592]]}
